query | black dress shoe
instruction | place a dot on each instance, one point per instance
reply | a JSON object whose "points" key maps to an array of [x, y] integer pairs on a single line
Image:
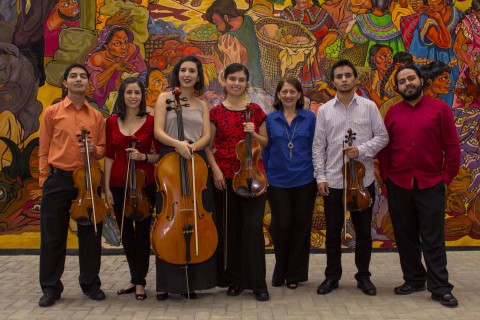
{"points": [[96, 294], [367, 287], [447, 299], [48, 300], [261, 295], [327, 286], [233, 291], [408, 288], [193, 295], [162, 296]]}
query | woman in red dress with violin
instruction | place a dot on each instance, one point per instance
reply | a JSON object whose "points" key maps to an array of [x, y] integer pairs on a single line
{"points": [[241, 249], [129, 135]]}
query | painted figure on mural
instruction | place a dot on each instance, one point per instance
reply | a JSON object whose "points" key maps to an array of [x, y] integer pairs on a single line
{"points": [[19, 107], [467, 50], [381, 61], [340, 13], [375, 27], [66, 14], [155, 84], [319, 22], [29, 35], [436, 78], [416, 166], [430, 36], [114, 55], [238, 44]]}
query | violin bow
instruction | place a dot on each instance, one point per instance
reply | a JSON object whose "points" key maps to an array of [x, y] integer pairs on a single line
{"points": [[345, 159], [87, 157], [127, 180], [225, 227]]}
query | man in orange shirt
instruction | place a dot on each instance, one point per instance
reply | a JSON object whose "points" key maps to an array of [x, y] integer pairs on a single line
{"points": [[60, 154]]}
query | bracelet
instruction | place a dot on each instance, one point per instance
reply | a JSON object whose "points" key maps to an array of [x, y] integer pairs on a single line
{"points": [[146, 158]]}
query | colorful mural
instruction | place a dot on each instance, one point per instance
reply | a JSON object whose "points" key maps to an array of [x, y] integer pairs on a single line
{"points": [[116, 39]]}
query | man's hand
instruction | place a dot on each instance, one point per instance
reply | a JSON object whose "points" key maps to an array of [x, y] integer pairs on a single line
{"points": [[323, 189], [351, 152]]}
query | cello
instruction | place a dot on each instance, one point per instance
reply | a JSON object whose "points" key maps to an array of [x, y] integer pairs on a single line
{"points": [[88, 208], [183, 215], [135, 203], [357, 198], [249, 181]]}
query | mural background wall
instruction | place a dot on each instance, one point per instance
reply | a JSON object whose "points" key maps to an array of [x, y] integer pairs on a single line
{"points": [[116, 39]]}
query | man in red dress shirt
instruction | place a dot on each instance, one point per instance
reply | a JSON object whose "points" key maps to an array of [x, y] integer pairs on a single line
{"points": [[423, 156]]}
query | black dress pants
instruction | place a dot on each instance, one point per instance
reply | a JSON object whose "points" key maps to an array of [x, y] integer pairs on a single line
{"points": [[362, 222], [418, 218], [240, 240], [135, 235], [58, 194], [291, 228]]}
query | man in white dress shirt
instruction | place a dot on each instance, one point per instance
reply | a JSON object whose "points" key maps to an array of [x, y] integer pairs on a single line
{"points": [[346, 111]]}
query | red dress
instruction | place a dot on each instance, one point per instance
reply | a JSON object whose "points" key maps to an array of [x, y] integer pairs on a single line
{"points": [[117, 142], [229, 125]]}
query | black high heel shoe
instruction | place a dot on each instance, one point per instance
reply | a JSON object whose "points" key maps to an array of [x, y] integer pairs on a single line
{"points": [[126, 291]]}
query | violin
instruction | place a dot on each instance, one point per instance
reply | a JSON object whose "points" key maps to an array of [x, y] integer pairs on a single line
{"points": [[183, 217], [135, 204], [357, 196], [88, 208], [249, 181]]}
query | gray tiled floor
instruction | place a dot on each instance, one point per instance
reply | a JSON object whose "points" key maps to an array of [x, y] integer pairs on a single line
{"points": [[20, 293]]}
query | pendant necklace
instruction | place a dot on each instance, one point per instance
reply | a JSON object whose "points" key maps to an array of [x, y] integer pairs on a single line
{"points": [[290, 141]]}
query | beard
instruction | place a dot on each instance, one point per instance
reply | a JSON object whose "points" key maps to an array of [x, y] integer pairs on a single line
{"points": [[412, 96]]}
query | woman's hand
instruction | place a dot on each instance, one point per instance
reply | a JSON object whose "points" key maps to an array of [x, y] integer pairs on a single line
{"points": [[185, 149], [135, 154], [109, 200], [219, 180]]}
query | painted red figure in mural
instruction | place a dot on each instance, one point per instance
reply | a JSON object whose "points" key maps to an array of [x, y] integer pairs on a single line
{"points": [[65, 14], [114, 55]]}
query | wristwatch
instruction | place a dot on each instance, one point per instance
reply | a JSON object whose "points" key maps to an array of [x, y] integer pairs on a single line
{"points": [[146, 158]]}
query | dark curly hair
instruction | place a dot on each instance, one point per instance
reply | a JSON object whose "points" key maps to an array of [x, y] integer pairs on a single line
{"points": [[120, 107], [277, 104], [175, 81]]}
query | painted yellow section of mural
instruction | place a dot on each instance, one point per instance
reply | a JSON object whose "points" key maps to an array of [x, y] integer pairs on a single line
{"points": [[145, 38]]}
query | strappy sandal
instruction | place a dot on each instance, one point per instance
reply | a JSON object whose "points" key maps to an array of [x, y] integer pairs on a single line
{"points": [[292, 285]]}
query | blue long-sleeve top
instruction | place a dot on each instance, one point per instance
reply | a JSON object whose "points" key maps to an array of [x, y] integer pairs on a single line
{"points": [[282, 171]]}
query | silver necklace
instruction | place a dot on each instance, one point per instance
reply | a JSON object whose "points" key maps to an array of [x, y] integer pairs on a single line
{"points": [[290, 141]]}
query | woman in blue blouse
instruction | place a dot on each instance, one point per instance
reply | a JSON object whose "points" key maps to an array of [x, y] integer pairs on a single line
{"points": [[292, 187]]}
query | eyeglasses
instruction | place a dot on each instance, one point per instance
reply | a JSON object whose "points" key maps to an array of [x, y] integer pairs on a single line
{"points": [[286, 92]]}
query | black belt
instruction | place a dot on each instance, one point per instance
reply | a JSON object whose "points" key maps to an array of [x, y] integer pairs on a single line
{"points": [[61, 172]]}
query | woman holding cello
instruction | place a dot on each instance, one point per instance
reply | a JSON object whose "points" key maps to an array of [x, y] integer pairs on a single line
{"points": [[182, 278], [240, 209], [129, 136], [292, 188]]}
